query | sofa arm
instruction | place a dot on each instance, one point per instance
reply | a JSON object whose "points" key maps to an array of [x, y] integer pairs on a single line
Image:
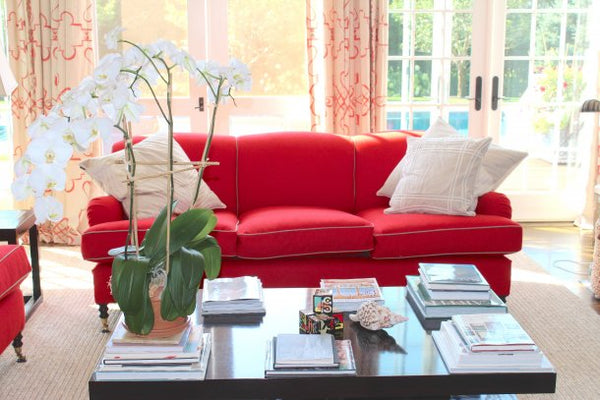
{"points": [[104, 209], [494, 203]]}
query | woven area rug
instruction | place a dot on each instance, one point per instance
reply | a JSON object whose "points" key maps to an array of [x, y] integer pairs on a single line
{"points": [[62, 339]]}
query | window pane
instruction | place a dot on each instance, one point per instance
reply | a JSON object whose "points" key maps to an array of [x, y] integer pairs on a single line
{"points": [[146, 21], [270, 37], [515, 79], [424, 4], [459, 81], [423, 34], [461, 34], [462, 4], [395, 34], [576, 42], [422, 81], [459, 121], [547, 35], [394, 85], [518, 3], [517, 38]]}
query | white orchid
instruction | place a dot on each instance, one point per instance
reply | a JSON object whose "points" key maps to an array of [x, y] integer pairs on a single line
{"points": [[112, 38], [238, 75], [100, 105], [49, 149], [87, 131], [47, 177], [20, 188], [47, 208]]}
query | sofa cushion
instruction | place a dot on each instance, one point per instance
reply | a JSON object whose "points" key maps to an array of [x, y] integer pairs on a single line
{"points": [[419, 235], [295, 169], [438, 176], [97, 240], [14, 268], [292, 231]]}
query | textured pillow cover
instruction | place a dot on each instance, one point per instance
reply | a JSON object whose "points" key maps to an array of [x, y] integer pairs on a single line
{"points": [[497, 163], [150, 194], [438, 176]]}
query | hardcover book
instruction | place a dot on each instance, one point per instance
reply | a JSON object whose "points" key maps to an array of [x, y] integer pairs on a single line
{"points": [[343, 354], [493, 332], [446, 308], [295, 350], [452, 277]]}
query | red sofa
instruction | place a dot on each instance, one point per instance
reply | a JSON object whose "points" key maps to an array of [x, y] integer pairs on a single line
{"points": [[14, 268], [302, 206]]}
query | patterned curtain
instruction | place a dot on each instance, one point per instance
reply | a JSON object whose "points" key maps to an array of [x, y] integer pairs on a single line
{"points": [[347, 64], [50, 51]]}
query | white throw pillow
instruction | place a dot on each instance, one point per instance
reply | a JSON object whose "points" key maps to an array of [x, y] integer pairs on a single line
{"points": [[438, 176], [110, 172], [497, 163]]}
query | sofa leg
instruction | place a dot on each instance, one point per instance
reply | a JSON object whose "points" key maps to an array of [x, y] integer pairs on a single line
{"points": [[18, 346], [103, 310]]}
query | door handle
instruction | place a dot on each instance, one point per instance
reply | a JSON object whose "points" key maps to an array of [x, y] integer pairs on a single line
{"points": [[477, 98], [495, 97]]}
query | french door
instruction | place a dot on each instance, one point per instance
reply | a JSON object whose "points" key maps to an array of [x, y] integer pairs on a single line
{"points": [[510, 69]]}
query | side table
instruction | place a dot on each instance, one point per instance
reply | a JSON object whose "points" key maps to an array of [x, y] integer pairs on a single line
{"points": [[13, 224]]}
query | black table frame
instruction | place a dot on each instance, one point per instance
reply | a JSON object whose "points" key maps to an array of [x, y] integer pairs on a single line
{"points": [[13, 224]]}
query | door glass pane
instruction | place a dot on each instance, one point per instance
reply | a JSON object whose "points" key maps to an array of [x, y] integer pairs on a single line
{"points": [[270, 37], [146, 21], [543, 89], [518, 32], [430, 76]]}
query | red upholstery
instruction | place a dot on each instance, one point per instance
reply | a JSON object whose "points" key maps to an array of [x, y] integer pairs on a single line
{"points": [[14, 268], [295, 169], [302, 206], [376, 157], [293, 231], [425, 235], [98, 239]]}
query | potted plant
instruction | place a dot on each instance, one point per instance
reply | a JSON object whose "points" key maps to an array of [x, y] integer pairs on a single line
{"points": [[176, 251]]}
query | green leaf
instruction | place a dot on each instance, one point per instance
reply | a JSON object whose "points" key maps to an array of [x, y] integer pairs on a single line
{"points": [[143, 321], [129, 282], [193, 224], [185, 274], [211, 251], [156, 238]]}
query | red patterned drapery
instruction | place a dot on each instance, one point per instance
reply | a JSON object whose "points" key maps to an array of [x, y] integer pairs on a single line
{"points": [[347, 65], [50, 51]]}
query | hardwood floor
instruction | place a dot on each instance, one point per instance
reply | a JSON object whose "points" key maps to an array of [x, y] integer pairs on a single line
{"points": [[564, 251]]}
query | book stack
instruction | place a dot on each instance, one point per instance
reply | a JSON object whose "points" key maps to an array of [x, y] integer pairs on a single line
{"points": [[298, 355], [488, 343], [231, 296], [182, 356], [349, 294], [443, 290]]}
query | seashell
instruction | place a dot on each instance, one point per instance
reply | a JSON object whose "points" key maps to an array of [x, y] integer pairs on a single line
{"points": [[374, 316]]}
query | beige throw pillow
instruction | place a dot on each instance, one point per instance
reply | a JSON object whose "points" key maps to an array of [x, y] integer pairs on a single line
{"points": [[151, 155], [438, 176], [497, 163]]}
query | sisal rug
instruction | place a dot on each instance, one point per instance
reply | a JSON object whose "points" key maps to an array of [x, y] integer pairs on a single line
{"points": [[62, 339]]}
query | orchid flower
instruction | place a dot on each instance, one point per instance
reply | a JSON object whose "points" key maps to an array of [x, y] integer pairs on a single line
{"points": [[47, 208]]}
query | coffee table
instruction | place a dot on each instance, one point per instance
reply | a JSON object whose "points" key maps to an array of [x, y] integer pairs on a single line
{"points": [[400, 362]]}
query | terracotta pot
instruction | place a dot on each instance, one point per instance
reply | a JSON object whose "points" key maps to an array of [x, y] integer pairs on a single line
{"points": [[162, 327]]}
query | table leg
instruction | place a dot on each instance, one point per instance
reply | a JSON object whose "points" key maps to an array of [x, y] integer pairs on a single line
{"points": [[35, 262]]}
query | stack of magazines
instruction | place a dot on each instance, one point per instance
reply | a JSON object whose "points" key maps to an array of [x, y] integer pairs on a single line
{"points": [[443, 290], [131, 357], [228, 296], [349, 294], [299, 355], [488, 343]]}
